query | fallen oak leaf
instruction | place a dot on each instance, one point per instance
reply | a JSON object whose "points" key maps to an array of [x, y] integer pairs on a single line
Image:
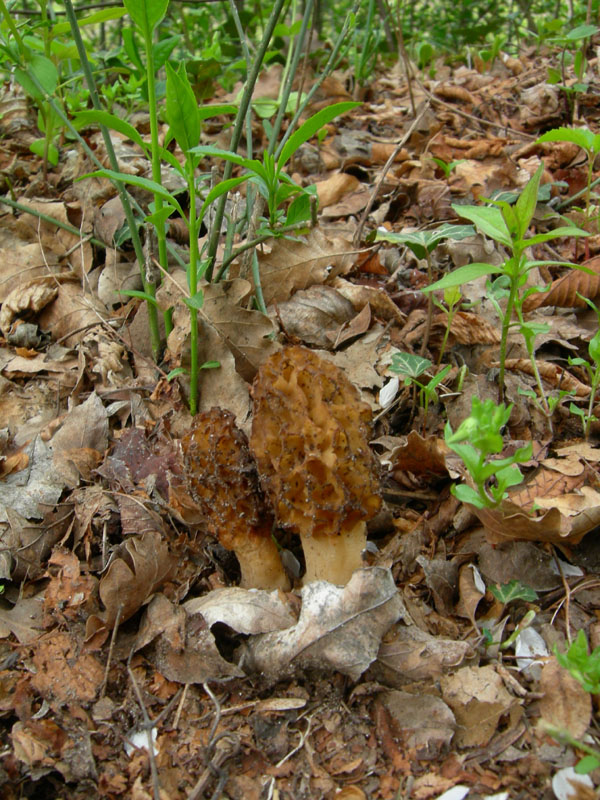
{"points": [[138, 570], [339, 629]]}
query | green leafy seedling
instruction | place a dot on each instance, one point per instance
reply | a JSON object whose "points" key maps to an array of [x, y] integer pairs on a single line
{"points": [[514, 590], [411, 367], [476, 440], [590, 143], [593, 371], [422, 244], [508, 225], [583, 665], [447, 167], [269, 176]]}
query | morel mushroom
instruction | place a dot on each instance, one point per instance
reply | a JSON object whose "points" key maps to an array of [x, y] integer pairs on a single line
{"points": [[310, 440], [222, 478]]}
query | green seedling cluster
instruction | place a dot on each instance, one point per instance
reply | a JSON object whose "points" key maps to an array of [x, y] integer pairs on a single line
{"points": [[477, 440], [509, 225], [411, 368]]}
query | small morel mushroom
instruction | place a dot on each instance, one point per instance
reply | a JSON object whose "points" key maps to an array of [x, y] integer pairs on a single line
{"points": [[222, 477], [310, 439]]}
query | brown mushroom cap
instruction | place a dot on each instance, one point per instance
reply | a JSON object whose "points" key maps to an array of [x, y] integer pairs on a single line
{"points": [[222, 478], [310, 438]]}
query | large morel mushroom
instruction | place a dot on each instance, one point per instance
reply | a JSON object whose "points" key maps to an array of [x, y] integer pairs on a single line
{"points": [[310, 439], [222, 478]]}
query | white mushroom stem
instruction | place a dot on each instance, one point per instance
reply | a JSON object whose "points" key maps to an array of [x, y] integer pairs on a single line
{"points": [[260, 562], [334, 557]]}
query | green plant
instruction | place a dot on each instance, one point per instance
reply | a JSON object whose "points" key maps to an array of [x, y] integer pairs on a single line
{"points": [[365, 41], [447, 167], [573, 42], [585, 668], [476, 440], [593, 371], [411, 367], [508, 225], [422, 244], [185, 121], [268, 175], [489, 54], [505, 593], [590, 143], [450, 306]]}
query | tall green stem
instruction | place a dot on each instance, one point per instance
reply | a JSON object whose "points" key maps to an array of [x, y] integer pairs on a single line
{"points": [[159, 224], [238, 130], [124, 197], [193, 285]]}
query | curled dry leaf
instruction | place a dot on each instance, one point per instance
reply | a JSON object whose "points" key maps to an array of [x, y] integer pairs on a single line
{"points": [[408, 654], [183, 648], [315, 315], [563, 291], [339, 628], [293, 265], [139, 568], [245, 611], [26, 300]]}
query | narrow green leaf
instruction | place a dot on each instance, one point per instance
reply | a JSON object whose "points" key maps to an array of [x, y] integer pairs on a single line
{"points": [[136, 180], [181, 109], [527, 202], [221, 188], [310, 127], [174, 373], [205, 112], [196, 302], [96, 18], [146, 14], [99, 117], [463, 275], [142, 295], [210, 365]]}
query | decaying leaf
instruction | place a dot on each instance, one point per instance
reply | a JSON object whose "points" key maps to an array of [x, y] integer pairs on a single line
{"points": [[245, 611], [563, 291], [293, 265], [181, 646], [565, 703], [138, 569], [339, 628], [478, 698], [26, 300]]}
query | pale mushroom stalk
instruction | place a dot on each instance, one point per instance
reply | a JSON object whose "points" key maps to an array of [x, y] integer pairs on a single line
{"points": [[334, 558]]}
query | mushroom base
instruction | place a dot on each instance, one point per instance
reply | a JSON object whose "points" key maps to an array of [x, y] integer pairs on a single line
{"points": [[260, 563], [334, 558]]}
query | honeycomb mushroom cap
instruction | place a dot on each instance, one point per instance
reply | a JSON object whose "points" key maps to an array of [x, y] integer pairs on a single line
{"points": [[310, 439], [222, 479]]}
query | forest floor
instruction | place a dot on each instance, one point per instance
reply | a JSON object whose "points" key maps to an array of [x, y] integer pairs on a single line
{"points": [[120, 616]]}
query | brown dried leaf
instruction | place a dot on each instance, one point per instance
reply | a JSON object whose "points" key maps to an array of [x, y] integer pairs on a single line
{"points": [[293, 265], [63, 672], [478, 698], [26, 299], [183, 647], [139, 569], [408, 654], [565, 703], [315, 315], [563, 291]]}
